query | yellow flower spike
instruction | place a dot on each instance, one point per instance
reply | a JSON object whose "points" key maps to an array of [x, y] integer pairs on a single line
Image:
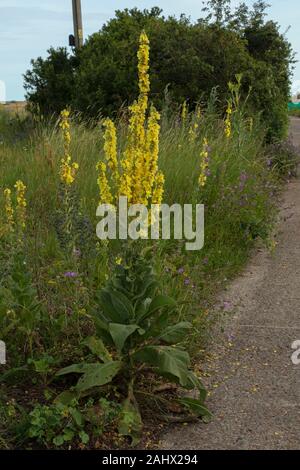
{"points": [[110, 147], [103, 184], [158, 191], [9, 210], [184, 111], [198, 112], [193, 132], [228, 125], [152, 151], [68, 169], [203, 163], [138, 179], [21, 203], [143, 67]]}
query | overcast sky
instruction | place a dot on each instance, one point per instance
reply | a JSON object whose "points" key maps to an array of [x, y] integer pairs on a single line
{"points": [[29, 27]]}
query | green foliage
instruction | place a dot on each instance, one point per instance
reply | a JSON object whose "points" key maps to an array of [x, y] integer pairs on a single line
{"points": [[119, 325], [66, 422], [284, 157], [20, 309], [50, 82], [101, 78], [137, 320]]}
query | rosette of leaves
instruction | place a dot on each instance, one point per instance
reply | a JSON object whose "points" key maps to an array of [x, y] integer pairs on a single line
{"points": [[135, 333]]}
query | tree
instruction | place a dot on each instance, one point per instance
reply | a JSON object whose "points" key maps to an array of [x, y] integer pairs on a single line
{"points": [[188, 58], [49, 84]]}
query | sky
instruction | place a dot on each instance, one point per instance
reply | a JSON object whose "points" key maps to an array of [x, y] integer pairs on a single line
{"points": [[29, 27]]}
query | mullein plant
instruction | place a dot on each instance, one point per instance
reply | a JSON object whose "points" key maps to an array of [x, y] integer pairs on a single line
{"points": [[23, 307], [195, 124], [204, 163], [16, 215], [67, 172], [136, 174], [228, 120]]}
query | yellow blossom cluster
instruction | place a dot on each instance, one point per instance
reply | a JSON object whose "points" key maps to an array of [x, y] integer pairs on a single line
{"points": [[68, 169], [110, 146], [228, 125], [9, 210], [203, 163], [20, 209], [21, 203], [193, 131], [104, 188], [195, 123], [139, 177], [184, 111]]}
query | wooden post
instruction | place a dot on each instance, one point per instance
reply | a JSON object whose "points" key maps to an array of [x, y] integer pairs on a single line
{"points": [[77, 20]]}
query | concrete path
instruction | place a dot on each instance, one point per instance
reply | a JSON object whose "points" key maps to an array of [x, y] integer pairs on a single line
{"points": [[255, 388]]}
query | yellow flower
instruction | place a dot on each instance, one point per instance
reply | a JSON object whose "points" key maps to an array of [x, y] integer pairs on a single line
{"points": [[68, 169], [203, 163], [193, 131], [152, 151], [139, 164], [104, 188], [118, 261], [158, 192], [228, 120], [21, 203], [9, 210], [143, 68], [184, 111], [110, 148], [198, 112]]}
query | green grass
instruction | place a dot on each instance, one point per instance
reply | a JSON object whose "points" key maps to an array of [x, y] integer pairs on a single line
{"points": [[294, 112], [239, 209]]}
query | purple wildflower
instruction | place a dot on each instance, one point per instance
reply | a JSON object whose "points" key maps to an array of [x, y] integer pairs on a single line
{"points": [[180, 270], [70, 274], [187, 281]]}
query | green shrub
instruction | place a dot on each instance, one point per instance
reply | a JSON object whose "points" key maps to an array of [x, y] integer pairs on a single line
{"points": [[101, 77]]}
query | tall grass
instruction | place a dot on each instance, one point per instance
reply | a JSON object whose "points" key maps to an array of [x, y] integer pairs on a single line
{"points": [[237, 194]]}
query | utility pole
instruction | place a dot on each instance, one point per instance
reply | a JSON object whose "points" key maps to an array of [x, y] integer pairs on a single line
{"points": [[77, 20]]}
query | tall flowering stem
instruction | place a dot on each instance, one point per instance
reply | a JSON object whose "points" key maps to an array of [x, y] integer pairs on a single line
{"points": [[204, 164], [137, 176], [143, 69], [158, 191], [228, 124], [140, 161], [68, 169], [9, 210], [110, 148], [184, 111], [103, 184], [21, 204]]}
